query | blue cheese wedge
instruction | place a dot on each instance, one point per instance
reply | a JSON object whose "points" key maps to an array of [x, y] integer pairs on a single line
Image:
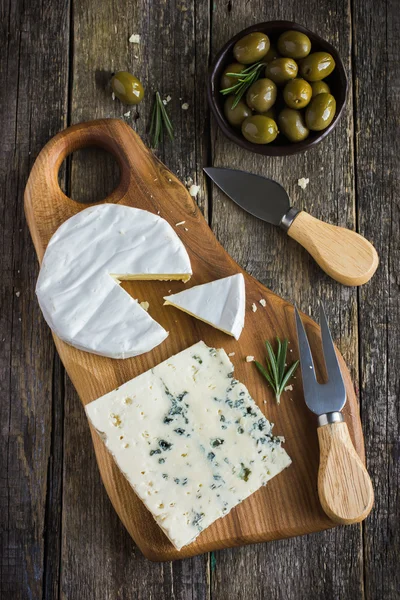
{"points": [[190, 440], [220, 303]]}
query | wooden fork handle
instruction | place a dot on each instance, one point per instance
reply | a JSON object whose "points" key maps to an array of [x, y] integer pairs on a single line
{"points": [[344, 486], [342, 253]]}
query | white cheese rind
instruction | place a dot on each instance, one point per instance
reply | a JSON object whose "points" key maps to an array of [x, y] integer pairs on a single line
{"points": [[220, 303], [78, 285], [190, 440]]}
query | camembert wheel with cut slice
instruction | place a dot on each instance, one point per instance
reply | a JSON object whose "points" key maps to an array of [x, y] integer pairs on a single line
{"points": [[78, 286]]}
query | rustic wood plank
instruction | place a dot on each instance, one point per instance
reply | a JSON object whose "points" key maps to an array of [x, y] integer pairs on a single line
{"points": [[327, 564], [173, 59], [33, 65], [376, 67]]}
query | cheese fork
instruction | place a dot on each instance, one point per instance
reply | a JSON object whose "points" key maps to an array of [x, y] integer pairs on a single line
{"points": [[344, 486]]}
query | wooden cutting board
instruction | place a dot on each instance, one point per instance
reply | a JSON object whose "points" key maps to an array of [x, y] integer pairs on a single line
{"points": [[289, 504]]}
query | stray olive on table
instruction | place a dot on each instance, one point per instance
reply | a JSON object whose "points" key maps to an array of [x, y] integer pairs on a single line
{"points": [[279, 82], [127, 88]]}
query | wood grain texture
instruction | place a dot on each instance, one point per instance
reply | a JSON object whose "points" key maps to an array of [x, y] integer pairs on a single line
{"points": [[343, 254], [378, 168], [145, 183], [344, 486], [30, 503]]}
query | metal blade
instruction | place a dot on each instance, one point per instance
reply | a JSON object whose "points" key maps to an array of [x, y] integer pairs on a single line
{"points": [[334, 389], [327, 397], [307, 366], [259, 196]]}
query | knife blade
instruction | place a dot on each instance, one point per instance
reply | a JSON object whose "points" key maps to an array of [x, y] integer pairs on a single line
{"points": [[342, 253], [261, 197]]}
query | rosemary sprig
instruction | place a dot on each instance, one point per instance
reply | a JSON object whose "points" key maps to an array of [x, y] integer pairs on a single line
{"points": [[160, 121], [244, 80], [275, 371]]}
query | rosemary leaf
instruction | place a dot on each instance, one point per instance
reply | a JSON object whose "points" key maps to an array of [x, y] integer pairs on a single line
{"points": [[244, 80], [272, 364], [160, 121], [276, 363], [288, 375], [282, 357], [264, 372]]}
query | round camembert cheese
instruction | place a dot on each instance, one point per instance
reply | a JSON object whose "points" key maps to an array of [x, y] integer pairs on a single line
{"points": [[78, 286]]}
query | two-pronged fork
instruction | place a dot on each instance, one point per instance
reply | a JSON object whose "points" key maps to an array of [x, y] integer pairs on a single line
{"points": [[344, 486]]}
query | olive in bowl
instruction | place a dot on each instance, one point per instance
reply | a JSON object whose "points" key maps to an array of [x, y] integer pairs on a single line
{"points": [[251, 48], [294, 91], [261, 95], [259, 129], [297, 93]]}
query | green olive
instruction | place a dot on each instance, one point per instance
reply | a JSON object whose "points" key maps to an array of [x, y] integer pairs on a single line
{"points": [[320, 87], [261, 95], [272, 54], [251, 48], [281, 70], [127, 88], [294, 44], [227, 82], [236, 116], [259, 129], [291, 123], [317, 65], [320, 112], [297, 93]]}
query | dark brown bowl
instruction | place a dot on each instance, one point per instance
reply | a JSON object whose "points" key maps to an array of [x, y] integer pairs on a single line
{"points": [[337, 82]]}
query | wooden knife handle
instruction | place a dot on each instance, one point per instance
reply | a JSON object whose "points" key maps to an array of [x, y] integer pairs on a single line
{"points": [[344, 486], [343, 254]]}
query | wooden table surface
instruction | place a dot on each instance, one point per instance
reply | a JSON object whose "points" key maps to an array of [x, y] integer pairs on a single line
{"points": [[59, 536]]}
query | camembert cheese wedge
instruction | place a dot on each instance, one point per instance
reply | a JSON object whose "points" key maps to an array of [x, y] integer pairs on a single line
{"points": [[220, 303], [190, 440], [78, 286]]}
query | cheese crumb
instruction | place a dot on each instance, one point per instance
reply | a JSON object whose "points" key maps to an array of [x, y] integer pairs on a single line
{"points": [[288, 388], [264, 401], [194, 190], [127, 114], [113, 96], [180, 223], [188, 182], [18, 294], [254, 307], [249, 358], [186, 229], [263, 302], [145, 305], [185, 106], [303, 182], [231, 354], [135, 38]]}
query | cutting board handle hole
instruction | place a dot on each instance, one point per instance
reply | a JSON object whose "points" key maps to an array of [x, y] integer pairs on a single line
{"points": [[89, 175]]}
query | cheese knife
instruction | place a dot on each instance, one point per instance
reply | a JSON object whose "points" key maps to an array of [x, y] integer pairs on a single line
{"points": [[344, 486], [343, 254]]}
